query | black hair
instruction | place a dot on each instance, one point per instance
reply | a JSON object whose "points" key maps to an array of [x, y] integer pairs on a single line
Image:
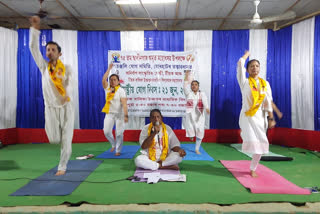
{"points": [[251, 61], [115, 75], [155, 110], [54, 43], [195, 81]]}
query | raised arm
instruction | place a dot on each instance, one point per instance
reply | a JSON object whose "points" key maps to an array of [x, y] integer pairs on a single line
{"points": [[34, 35], [241, 70], [105, 76]]}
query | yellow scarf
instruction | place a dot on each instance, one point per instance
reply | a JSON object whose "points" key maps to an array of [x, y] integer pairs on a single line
{"points": [[110, 96], [165, 145], [60, 70], [258, 97]]}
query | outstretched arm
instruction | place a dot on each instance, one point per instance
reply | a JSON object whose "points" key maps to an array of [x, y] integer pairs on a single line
{"points": [[34, 43], [105, 76]]}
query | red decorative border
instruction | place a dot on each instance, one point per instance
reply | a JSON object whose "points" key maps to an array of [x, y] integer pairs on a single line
{"points": [[279, 136]]}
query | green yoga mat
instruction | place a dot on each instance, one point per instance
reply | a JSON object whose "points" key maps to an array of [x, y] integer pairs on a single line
{"points": [[266, 157]]}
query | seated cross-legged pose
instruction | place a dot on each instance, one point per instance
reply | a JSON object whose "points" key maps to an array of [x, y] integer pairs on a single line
{"points": [[160, 146]]}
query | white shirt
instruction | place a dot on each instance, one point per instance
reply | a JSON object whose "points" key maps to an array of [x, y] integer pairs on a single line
{"points": [[51, 95], [115, 103], [172, 138]]}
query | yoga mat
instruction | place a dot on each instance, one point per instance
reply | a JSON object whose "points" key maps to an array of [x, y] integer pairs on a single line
{"points": [[49, 184], [192, 155], [266, 157], [127, 152], [267, 182], [140, 172]]}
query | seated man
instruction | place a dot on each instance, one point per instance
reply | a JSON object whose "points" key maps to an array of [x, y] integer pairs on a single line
{"points": [[161, 147]]}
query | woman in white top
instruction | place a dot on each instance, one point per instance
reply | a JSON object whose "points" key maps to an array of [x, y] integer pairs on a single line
{"points": [[197, 102], [116, 110], [256, 103]]}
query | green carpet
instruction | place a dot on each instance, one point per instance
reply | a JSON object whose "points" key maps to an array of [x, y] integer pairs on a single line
{"points": [[207, 181]]}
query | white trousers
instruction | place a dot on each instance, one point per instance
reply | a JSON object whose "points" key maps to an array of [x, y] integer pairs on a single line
{"points": [[144, 162], [109, 121], [59, 125], [255, 161], [194, 125]]}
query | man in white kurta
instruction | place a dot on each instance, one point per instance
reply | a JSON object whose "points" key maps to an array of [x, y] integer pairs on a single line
{"points": [[116, 110], [197, 102], [59, 110], [254, 127], [154, 142]]}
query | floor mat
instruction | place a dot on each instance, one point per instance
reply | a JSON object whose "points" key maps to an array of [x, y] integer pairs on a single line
{"points": [[267, 182], [49, 184], [127, 152]]}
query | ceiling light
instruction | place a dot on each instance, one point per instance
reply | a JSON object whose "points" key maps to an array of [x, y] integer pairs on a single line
{"points": [[144, 1]]}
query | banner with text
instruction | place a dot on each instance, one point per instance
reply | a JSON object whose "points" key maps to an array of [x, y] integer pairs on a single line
{"points": [[153, 79]]}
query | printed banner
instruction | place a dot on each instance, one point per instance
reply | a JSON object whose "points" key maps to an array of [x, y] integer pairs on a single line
{"points": [[153, 79]]}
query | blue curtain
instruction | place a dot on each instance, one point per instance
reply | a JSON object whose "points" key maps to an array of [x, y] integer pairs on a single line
{"points": [[93, 50], [279, 71], [165, 41], [227, 48], [30, 104], [317, 74]]}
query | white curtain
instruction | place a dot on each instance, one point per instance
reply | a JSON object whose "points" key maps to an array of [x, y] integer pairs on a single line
{"points": [[67, 39], [258, 46], [133, 41], [8, 77], [302, 73], [201, 43]]}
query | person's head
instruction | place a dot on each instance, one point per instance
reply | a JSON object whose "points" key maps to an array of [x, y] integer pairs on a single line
{"points": [[253, 68], [195, 86], [114, 80], [155, 116], [53, 51]]}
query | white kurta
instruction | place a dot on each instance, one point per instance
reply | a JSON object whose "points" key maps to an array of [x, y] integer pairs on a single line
{"points": [[195, 120], [59, 114], [115, 116], [253, 129], [173, 158]]}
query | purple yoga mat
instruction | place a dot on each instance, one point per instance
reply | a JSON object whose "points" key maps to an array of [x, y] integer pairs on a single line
{"points": [[267, 182], [139, 173]]}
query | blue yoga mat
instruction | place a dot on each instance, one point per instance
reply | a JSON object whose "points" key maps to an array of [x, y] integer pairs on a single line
{"points": [[127, 152], [192, 155], [49, 184]]}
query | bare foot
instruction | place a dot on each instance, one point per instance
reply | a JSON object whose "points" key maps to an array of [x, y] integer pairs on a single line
{"points": [[197, 151], [254, 174], [112, 149], [117, 154], [60, 172]]}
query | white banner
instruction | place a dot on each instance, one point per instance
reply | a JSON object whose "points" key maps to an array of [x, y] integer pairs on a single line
{"points": [[153, 79]]}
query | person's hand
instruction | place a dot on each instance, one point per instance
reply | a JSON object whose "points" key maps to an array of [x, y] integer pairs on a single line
{"points": [[246, 55], [208, 111], [66, 99], [182, 153], [271, 123], [35, 22], [126, 119], [110, 66]]}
